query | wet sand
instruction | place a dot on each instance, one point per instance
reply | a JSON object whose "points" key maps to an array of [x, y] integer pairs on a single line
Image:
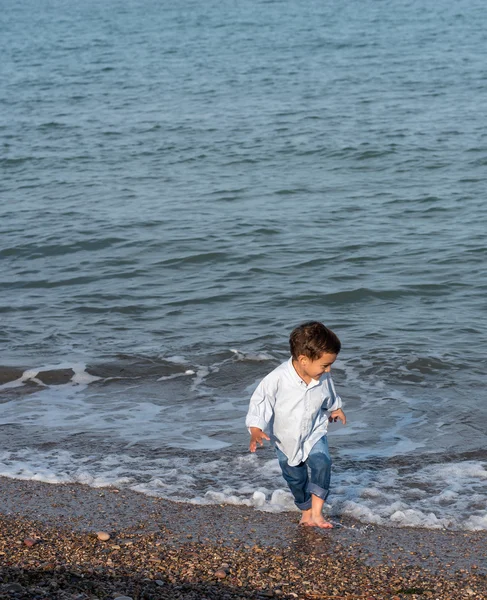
{"points": [[160, 550]]}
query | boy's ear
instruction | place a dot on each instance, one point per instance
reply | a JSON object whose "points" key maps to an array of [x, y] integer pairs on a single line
{"points": [[302, 359]]}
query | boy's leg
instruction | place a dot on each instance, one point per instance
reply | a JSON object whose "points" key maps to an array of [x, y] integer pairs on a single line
{"points": [[297, 480], [319, 462]]}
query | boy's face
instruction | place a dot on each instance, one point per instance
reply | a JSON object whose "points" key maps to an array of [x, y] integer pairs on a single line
{"points": [[315, 369]]}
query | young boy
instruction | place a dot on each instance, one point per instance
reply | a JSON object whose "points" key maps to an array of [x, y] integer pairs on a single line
{"points": [[290, 407]]}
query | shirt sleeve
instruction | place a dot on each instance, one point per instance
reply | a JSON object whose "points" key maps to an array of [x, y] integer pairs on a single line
{"points": [[334, 401], [261, 409]]}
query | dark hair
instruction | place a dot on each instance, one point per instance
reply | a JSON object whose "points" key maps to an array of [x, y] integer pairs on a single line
{"points": [[312, 339]]}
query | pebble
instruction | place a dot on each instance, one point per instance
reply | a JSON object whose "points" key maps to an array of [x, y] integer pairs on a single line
{"points": [[220, 573], [103, 536], [14, 588], [29, 542]]}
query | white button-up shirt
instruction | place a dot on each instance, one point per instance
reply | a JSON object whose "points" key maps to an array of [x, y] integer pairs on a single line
{"points": [[293, 413]]}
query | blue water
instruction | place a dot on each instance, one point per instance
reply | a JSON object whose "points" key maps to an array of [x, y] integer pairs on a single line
{"points": [[183, 184]]}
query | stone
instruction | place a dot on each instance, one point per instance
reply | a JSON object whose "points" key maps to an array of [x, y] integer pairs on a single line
{"points": [[220, 574], [14, 588], [103, 536], [29, 542]]}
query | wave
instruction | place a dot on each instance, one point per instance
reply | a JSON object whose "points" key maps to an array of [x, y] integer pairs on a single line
{"points": [[436, 496], [76, 374], [39, 250], [122, 366]]}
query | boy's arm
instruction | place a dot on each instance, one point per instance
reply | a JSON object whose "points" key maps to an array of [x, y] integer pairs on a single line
{"points": [[260, 413], [337, 414], [334, 405], [257, 436]]}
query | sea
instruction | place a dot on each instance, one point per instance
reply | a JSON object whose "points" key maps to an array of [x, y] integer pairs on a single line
{"points": [[182, 183]]}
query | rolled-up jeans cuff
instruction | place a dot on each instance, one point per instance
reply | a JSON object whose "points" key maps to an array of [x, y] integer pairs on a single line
{"points": [[304, 505], [317, 491]]}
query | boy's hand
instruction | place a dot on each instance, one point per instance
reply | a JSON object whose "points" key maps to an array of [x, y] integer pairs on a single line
{"points": [[256, 437], [337, 414]]}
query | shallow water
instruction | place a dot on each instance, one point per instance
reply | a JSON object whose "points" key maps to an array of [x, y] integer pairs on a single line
{"points": [[182, 185]]}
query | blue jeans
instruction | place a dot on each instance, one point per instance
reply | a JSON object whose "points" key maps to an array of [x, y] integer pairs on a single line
{"points": [[317, 482]]}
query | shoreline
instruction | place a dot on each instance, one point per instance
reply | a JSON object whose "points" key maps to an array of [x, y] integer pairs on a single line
{"points": [[217, 551]]}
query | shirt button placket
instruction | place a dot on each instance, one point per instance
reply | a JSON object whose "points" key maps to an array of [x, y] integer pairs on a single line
{"points": [[306, 412]]}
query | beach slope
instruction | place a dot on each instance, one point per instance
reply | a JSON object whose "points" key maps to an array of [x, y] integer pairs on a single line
{"points": [[49, 548]]}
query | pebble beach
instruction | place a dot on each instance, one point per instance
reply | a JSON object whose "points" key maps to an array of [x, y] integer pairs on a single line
{"points": [[73, 542], [182, 184]]}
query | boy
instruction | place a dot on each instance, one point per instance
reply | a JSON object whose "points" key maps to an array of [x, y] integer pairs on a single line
{"points": [[290, 405]]}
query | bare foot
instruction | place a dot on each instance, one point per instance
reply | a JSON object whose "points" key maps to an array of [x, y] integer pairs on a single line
{"points": [[305, 517], [319, 521]]}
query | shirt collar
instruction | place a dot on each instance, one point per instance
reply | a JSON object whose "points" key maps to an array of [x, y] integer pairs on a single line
{"points": [[297, 379]]}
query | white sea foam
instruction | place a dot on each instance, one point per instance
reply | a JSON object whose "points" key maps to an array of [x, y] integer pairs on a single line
{"points": [[176, 359], [80, 376], [416, 518], [135, 417], [255, 357], [476, 523], [454, 499], [176, 375]]}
